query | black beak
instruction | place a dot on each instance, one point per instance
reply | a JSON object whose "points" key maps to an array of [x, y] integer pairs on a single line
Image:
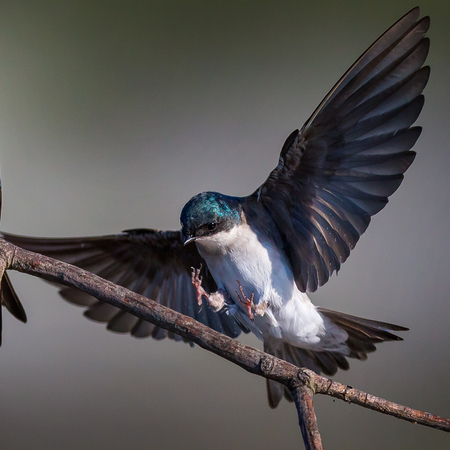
{"points": [[188, 238]]}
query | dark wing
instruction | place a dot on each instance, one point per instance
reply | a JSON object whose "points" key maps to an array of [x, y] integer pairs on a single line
{"points": [[148, 262], [350, 156], [8, 296]]}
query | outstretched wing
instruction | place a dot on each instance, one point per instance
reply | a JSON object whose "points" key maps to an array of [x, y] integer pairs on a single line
{"points": [[148, 262], [350, 156]]}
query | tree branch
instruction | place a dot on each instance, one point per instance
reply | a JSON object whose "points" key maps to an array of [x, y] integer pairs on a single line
{"points": [[303, 398], [302, 382]]}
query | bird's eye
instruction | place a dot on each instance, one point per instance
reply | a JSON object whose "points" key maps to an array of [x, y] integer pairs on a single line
{"points": [[212, 226]]}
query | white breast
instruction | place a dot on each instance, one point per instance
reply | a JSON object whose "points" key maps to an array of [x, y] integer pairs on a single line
{"points": [[240, 254]]}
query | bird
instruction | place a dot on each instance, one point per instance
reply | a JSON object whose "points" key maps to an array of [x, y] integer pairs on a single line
{"points": [[8, 295], [247, 264]]}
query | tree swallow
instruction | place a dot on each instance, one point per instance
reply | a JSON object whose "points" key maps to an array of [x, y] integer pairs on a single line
{"points": [[255, 258]]}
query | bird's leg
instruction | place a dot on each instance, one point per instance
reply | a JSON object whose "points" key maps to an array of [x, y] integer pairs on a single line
{"points": [[197, 282], [247, 302], [216, 300], [259, 309]]}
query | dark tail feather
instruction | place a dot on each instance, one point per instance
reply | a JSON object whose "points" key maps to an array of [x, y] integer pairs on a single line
{"points": [[363, 334], [10, 300]]}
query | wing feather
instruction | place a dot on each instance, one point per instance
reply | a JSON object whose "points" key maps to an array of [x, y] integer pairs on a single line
{"points": [[350, 156], [152, 263]]}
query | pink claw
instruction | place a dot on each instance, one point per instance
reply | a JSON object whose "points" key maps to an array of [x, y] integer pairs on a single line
{"points": [[197, 282], [247, 302]]}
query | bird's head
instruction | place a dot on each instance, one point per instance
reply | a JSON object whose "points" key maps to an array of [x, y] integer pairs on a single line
{"points": [[209, 213]]}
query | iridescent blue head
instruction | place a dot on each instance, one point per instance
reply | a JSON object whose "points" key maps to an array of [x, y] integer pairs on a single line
{"points": [[209, 213]]}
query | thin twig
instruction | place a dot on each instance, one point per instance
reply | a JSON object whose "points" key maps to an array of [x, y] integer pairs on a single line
{"points": [[357, 397], [249, 358]]}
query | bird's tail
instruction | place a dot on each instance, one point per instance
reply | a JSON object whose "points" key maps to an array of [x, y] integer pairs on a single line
{"points": [[363, 334]]}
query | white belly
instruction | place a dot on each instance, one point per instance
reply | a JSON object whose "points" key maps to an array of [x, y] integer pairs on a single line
{"points": [[238, 255]]}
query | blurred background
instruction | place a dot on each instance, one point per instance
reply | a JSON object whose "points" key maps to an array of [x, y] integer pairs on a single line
{"points": [[112, 115]]}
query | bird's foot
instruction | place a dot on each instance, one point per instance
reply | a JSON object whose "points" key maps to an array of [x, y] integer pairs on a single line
{"points": [[216, 300], [247, 302], [197, 282]]}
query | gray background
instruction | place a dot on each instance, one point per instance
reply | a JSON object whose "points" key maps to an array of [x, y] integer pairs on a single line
{"points": [[112, 115]]}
